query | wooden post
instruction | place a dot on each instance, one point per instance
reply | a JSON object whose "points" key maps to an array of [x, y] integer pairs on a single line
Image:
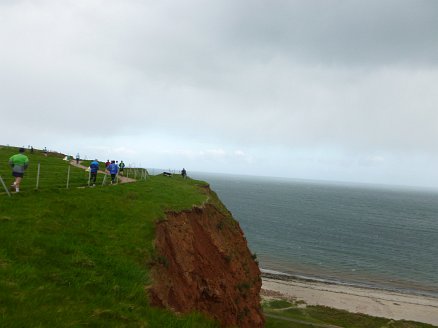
{"points": [[89, 178], [104, 178], [38, 176], [68, 175], [4, 186]]}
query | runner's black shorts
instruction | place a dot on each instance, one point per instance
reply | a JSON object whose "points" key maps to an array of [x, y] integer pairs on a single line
{"points": [[17, 174]]}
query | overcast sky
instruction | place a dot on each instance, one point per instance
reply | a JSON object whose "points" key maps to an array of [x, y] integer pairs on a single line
{"points": [[332, 90]]}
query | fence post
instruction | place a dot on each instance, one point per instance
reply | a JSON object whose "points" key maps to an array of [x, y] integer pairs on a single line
{"points": [[38, 177], [104, 179], [89, 178], [68, 175], [4, 186]]}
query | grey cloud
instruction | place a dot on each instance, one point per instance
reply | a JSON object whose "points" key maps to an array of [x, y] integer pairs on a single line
{"points": [[340, 32], [350, 73]]}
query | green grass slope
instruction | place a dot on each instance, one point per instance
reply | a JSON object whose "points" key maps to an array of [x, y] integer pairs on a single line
{"points": [[284, 314], [79, 256]]}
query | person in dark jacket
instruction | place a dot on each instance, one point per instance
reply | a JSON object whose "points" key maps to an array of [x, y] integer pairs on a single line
{"points": [[121, 167]]}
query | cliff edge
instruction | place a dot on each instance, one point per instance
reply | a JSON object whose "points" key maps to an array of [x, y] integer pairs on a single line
{"points": [[203, 264]]}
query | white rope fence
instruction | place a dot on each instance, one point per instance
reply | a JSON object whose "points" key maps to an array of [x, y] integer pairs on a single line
{"points": [[48, 175]]}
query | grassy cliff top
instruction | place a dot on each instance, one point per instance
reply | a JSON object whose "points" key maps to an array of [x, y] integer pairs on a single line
{"points": [[79, 256]]}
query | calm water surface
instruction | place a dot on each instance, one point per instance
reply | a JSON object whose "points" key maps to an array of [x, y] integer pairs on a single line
{"points": [[378, 237]]}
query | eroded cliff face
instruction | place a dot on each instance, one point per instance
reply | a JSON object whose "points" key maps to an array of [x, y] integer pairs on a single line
{"points": [[203, 264]]}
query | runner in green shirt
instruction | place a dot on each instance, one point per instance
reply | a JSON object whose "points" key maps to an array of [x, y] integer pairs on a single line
{"points": [[19, 163]]}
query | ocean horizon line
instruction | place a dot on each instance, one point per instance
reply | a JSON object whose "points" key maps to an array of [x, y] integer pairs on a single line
{"points": [[341, 183]]}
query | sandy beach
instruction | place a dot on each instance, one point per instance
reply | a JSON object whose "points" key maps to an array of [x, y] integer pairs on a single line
{"points": [[373, 302]]}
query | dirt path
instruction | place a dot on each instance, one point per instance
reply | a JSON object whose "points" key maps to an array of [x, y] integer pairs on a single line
{"points": [[122, 179]]}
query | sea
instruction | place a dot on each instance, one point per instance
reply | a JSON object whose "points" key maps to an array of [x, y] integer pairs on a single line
{"points": [[379, 237]]}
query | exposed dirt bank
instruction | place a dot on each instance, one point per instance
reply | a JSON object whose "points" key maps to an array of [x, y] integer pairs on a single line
{"points": [[203, 264]]}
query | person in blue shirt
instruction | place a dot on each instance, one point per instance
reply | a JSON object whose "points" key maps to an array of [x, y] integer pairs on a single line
{"points": [[113, 169], [94, 167]]}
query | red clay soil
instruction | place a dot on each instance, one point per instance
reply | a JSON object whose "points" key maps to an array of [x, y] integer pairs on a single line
{"points": [[203, 264]]}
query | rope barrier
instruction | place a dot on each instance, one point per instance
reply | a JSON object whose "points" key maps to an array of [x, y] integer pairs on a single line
{"points": [[66, 175]]}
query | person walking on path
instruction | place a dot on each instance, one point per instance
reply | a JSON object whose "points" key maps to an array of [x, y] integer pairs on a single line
{"points": [[113, 169], [184, 173], [121, 167], [19, 163], [94, 167], [77, 158]]}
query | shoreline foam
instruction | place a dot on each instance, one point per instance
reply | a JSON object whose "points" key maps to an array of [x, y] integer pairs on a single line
{"points": [[415, 291], [374, 302]]}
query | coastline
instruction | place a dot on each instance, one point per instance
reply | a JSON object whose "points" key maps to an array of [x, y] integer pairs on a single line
{"points": [[374, 302]]}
